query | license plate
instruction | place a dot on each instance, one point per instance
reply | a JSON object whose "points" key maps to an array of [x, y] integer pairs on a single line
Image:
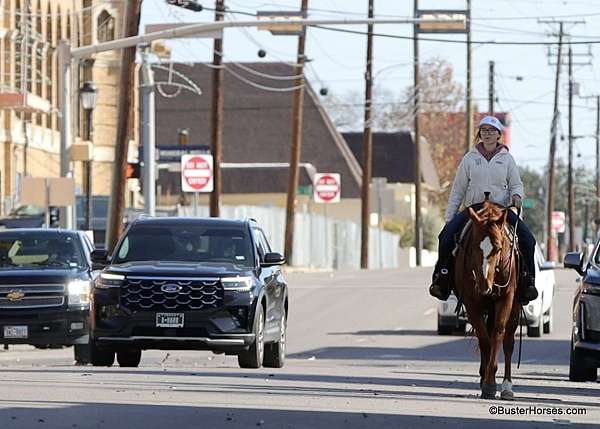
{"points": [[15, 332], [169, 320]]}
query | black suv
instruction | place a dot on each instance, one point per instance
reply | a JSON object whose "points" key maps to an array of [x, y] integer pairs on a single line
{"points": [[45, 278], [199, 284], [585, 338]]}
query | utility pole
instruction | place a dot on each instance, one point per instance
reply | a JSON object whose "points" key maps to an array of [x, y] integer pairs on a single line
{"points": [[417, 141], [124, 125], [597, 163], [550, 234], [469, 103], [491, 91], [148, 133], [217, 114], [367, 148], [297, 121], [571, 190]]}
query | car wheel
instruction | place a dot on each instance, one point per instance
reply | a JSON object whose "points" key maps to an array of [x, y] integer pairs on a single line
{"points": [[444, 329], [81, 354], [129, 358], [100, 356], [275, 352], [253, 357], [549, 324], [579, 370], [536, 331]]}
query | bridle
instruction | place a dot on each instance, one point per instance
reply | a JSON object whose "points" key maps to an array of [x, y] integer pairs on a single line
{"points": [[512, 251]]}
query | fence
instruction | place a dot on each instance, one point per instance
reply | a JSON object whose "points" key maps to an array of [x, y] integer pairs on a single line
{"points": [[319, 242]]}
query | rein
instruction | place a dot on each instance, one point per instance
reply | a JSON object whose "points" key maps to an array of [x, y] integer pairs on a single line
{"points": [[511, 255]]}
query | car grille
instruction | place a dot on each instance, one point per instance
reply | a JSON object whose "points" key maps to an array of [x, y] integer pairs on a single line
{"points": [[148, 294], [32, 296]]}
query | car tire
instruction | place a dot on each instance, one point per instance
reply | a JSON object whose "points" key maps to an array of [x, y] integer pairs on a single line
{"points": [[549, 325], [275, 352], [100, 356], [444, 329], [253, 357], [81, 354], [579, 370], [536, 331], [129, 358]]}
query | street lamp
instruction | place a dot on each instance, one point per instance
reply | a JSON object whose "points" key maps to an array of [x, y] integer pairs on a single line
{"points": [[88, 95]]}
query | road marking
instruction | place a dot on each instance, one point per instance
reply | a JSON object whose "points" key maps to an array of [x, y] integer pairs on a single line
{"points": [[429, 311]]}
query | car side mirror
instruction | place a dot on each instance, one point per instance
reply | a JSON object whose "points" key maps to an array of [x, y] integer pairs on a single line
{"points": [[272, 259], [548, 265], [574, 260], [100, 259]]}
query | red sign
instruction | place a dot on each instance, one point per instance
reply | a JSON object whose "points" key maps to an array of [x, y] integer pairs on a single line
{"points": [[197, 173], [558, 222], [327, 188]]}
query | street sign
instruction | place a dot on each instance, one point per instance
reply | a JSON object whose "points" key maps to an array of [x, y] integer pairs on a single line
{"points": [[171, 153], [558, 222], [197, 173], [528, 203], [327, 188]]}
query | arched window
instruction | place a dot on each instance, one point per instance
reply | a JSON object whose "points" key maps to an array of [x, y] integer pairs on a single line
{"points": [[106, 27]]}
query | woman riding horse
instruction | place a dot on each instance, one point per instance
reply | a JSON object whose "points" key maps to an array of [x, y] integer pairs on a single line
{"points": [[488, 167]]}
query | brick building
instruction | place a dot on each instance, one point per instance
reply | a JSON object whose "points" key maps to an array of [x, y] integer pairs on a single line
{"points": [[29, 124]]}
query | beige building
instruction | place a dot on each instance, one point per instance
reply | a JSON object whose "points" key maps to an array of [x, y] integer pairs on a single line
{"points": [[29, 124]]}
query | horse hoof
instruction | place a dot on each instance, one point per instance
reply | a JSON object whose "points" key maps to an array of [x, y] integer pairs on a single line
{"points": [[488, 391], [507, 395]]}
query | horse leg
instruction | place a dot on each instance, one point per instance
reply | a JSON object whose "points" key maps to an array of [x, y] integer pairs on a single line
{"points": [[484, 348], [509, 342], [502, 312]]}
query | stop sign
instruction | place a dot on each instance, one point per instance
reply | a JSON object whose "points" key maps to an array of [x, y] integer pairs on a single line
{"points": [[327, 188], [197, 173]]}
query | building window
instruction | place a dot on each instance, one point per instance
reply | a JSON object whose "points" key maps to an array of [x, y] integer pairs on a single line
{"points": [[106, 27]]}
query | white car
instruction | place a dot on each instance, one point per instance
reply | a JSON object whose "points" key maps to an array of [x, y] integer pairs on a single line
{"points": [[538, 313]]}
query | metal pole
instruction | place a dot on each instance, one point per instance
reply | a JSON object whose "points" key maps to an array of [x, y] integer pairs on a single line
{"points": [[597, 162], [88, 174], [148, 129], [491, 90], [124, 126], [367, 164], [550, 235], [217, 114], [417, 141], [64, 100], [571, 202], [469, 105], [298, 111]]}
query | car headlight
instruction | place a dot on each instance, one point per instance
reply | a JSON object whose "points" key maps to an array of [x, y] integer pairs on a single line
{"points": [[239, 284], [79, 292], [109, 280]]}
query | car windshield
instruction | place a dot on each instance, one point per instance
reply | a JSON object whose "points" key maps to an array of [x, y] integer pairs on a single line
{"points": [[186, 243], [31, 250]]}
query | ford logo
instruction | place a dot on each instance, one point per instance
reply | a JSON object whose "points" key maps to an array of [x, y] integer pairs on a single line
{"points": [[170, 288]]}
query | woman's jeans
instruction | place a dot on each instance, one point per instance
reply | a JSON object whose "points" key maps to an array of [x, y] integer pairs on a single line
{"points": [[447, 241]]}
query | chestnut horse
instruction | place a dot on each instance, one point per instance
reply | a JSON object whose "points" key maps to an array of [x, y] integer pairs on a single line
{"points": [[486, 282]]}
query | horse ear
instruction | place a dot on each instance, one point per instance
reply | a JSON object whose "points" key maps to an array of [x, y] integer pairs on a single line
{"points": [[473, 215]]}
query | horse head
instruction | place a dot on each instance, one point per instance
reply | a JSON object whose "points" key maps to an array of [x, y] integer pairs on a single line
{"points": [[487, 242]]}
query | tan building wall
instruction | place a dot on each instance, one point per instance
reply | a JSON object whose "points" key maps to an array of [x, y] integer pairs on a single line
{"points": [[29, 142]]}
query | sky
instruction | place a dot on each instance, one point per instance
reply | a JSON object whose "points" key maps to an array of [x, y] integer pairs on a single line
{"points": [[524, 78]]}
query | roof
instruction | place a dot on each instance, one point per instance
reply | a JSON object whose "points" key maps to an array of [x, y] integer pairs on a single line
{"points": [[257, 126], [166, 221], [41, 231], [393, 157]]}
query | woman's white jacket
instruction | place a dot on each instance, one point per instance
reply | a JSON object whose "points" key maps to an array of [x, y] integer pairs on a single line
{"points": [[500, 177]]}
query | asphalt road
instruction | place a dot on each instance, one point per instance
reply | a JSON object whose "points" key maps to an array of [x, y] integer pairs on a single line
{"points": [[362, 353]]}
